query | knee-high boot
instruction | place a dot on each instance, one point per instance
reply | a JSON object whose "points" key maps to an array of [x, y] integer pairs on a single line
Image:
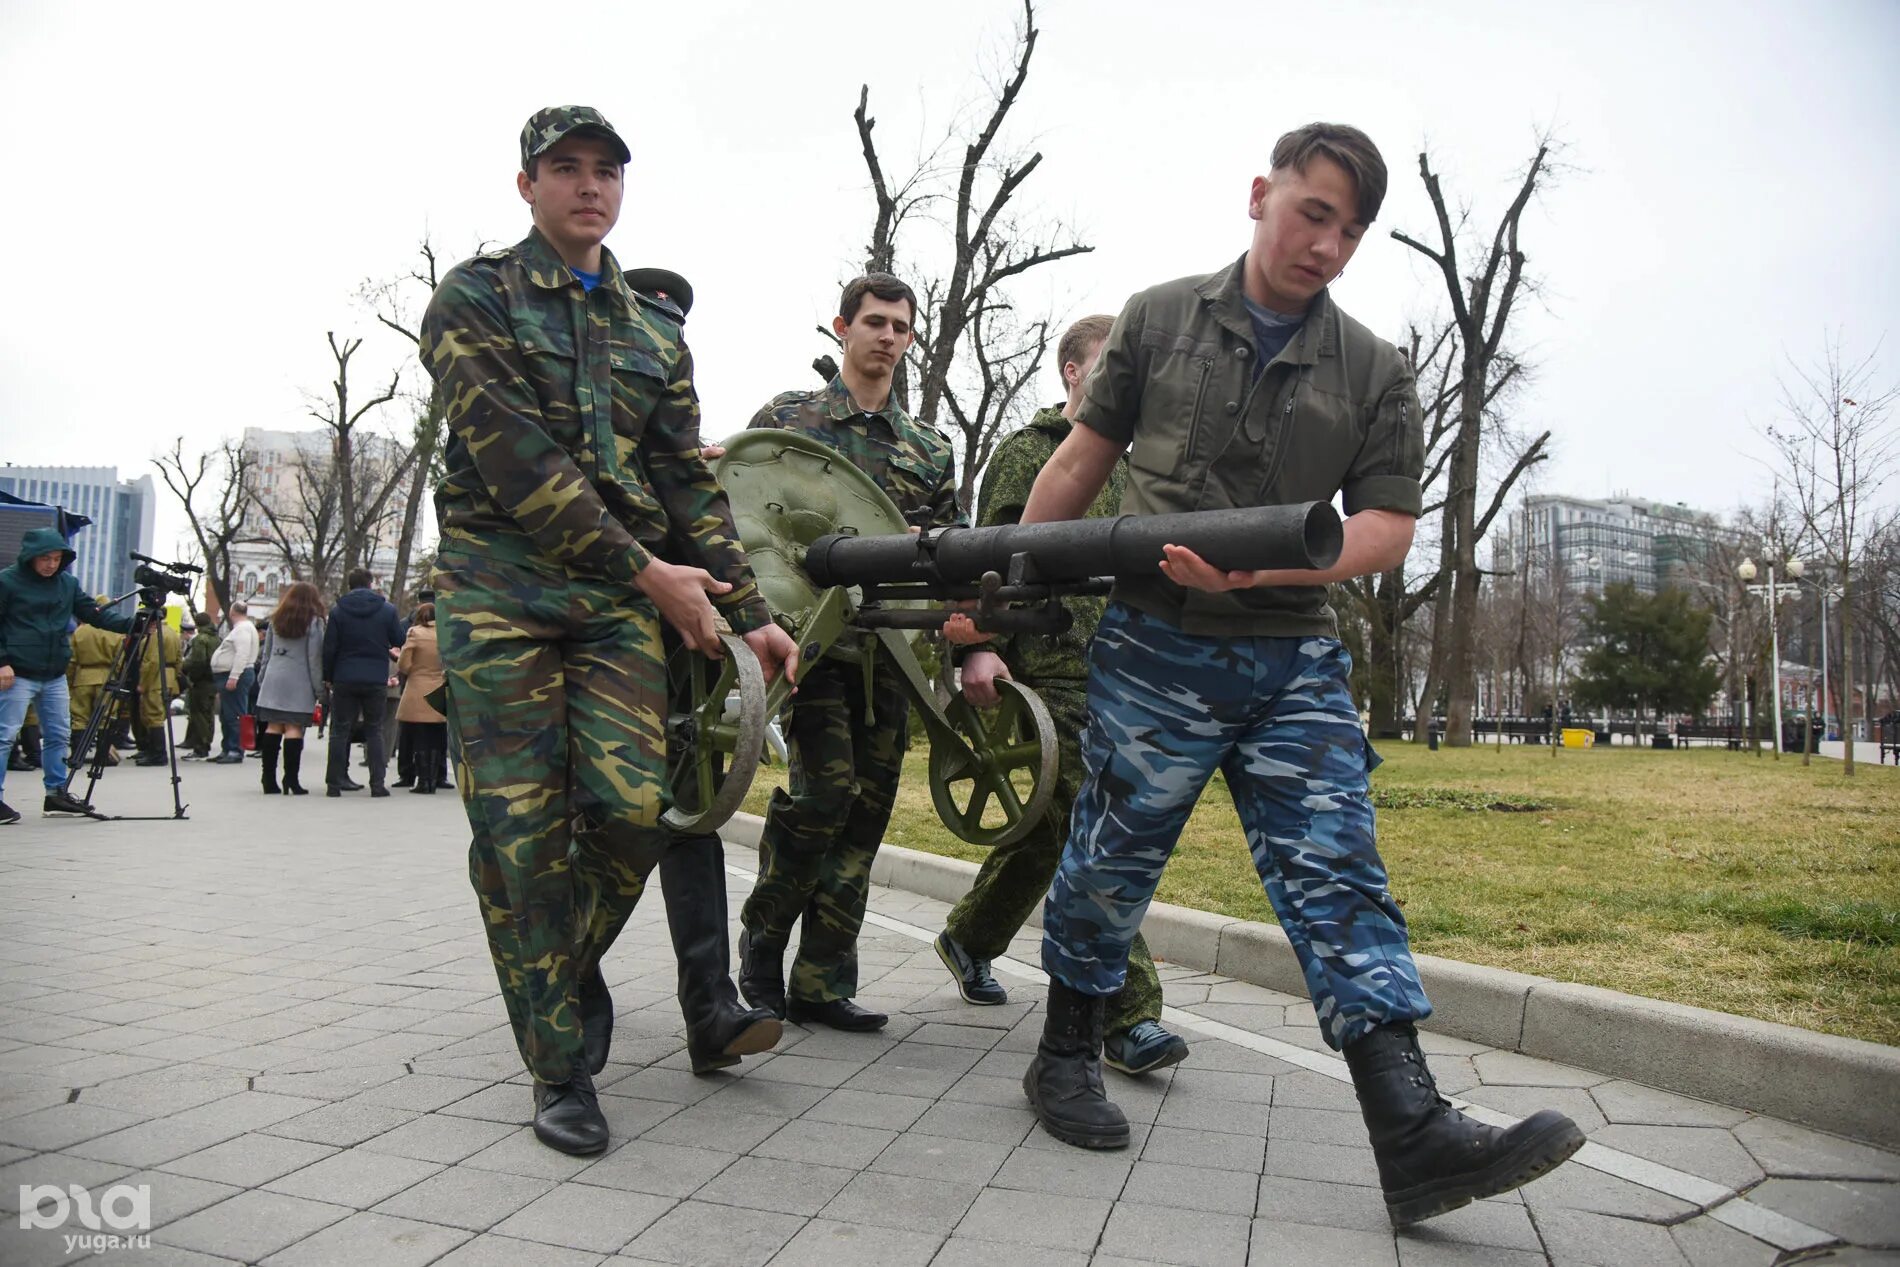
{"points": [[719, 1028], [268, 746], [293, 765]]}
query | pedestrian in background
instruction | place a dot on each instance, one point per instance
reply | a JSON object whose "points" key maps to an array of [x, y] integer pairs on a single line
{"points": [[424, 731], [201, 689], [291, 683], [358, 642], [233, 661]]}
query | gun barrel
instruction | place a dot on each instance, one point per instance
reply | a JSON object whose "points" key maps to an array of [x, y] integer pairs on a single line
{"points": [[1304, 535]]}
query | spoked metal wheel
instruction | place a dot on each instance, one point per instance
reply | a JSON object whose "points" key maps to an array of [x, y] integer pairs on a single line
{"points": [[1000, 786], [715, 730]]}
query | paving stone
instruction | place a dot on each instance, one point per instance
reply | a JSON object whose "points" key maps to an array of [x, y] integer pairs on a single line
{"points": [[626, 1116], [250, 1225], [877, 1109], [1320, 1126], [1858, 1211], [152, 1143], [1505, 1224], [942, 1157], [1646, 1106], [1575, 1187], [666, 1170], [826, 1144], [976, 1088], [502, 1102], [175, 1196], [249, 1160], [962, 1251], [1705, 1151], [828, 1243], [246, 1111], [1583, 1237], [1308, 1090], [785, 1100], [1153, 1233], [1511, 1069], [1192, 1188], [1215, 1151], [674, 1085], [1459, 1254], [63, 1125], [984, 1123], [155, 1095], [435, 1138], [370, 1238], [710, 1125], [1573, 1102], [806, 1071], [1707, 1243], [419, 1092], [490, 1250], [357, 1178], [921, 1205], [1031, 1218], [1781, 1148], [921, 1069], [344, 1124], [462, 1196], [330, 1084], [768, 1183], [584, 1218], [1187, 1109], [1323, 1204], [697, 1234], [1279, 1244]]}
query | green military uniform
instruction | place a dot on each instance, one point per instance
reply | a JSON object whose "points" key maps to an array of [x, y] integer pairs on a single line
{"points": [[573, 444], [158, 675], [847, 745], [201, 689], [94, 650], [1015, 877]]}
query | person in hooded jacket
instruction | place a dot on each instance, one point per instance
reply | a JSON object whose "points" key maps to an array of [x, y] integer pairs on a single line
{"points": [[39, 601], [359, 642]]}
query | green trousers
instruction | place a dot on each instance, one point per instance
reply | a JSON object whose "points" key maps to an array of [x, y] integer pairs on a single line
{"points": [[556, 691], [201, 715], [821, 836], [1014, 879]]}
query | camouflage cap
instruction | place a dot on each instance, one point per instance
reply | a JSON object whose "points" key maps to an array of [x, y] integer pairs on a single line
{"points": [[549, 126]]}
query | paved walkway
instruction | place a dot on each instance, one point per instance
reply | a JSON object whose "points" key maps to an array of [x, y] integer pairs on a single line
{"points": [[280, 1018]]}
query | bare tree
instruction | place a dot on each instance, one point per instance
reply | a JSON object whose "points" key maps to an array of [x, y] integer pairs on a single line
{"points": [[1837, 444], [1482, 299], [973, 355], [390, 300], [213, 487]]}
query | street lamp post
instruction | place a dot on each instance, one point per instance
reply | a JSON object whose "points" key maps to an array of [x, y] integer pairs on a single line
{"points": [[1773, 592]]}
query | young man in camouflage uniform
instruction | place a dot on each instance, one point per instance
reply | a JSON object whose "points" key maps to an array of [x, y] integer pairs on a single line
{"points": [[1015, 877], [1245, 387], [201, 690], [815, 855], [573, 448]]}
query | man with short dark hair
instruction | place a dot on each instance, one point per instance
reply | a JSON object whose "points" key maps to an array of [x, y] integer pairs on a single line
{"points": [[1015, 877], [358, 641], [573, 458], [847, 736], [235, 661], [1244, 387]]}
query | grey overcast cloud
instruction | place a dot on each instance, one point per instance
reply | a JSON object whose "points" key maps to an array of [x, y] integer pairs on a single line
{"points": [[199, 189]]}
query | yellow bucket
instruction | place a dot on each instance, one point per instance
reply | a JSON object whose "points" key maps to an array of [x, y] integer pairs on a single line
{"points": [[1576, 737]]}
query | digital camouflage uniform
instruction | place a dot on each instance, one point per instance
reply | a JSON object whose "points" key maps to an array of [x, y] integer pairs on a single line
{"points": [[1015, 877], [847, 748], [1251, 682], [201, 690], [573, 444]]}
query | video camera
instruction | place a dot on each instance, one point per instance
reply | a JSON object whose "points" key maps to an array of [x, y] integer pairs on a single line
{"points": [[155, 574]]}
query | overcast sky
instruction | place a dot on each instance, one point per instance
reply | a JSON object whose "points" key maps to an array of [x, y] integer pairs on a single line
{"points": [[198, 190]]}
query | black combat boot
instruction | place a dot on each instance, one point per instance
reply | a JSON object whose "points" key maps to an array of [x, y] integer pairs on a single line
{"points": [[567, 1114], [268, 746], [762, 974], [293, 766], [1432, 1158], [151, 748], [1064, 1081], [719, 1029]]}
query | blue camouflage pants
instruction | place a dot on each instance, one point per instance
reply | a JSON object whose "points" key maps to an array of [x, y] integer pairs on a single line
{"points": [[1274, 715]]}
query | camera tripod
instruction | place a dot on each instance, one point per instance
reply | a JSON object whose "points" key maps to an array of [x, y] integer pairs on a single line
{"points": [[121, 690]]}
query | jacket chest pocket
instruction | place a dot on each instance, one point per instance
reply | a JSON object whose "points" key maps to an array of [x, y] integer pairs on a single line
{"points": [[639, 385], [912, 483], [552, 362], [1317, 435]]}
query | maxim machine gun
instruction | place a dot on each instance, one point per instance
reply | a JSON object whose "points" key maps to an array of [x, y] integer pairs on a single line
{"points": [[843, 574]]}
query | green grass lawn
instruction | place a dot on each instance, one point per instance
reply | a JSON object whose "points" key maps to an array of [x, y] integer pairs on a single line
{"points": [[1712, 878]]}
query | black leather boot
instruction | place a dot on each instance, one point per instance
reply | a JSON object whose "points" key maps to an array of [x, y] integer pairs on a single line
{"points": [[762, 974], [719, 1029], [151, 749], [1432, 1158], [1064, 1081], [268, 746], [293, 766], [567, 1114]]}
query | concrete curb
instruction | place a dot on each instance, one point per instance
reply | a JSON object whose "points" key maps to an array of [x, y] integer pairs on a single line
{"points": [[1843, 1085]]}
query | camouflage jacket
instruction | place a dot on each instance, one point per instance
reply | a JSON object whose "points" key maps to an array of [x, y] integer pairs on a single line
{"points": [[573, 426], [1005, 491], [908, 460]]}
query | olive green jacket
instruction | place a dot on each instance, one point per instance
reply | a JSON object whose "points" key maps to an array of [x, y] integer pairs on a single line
{"points": [[1335, 414]]}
